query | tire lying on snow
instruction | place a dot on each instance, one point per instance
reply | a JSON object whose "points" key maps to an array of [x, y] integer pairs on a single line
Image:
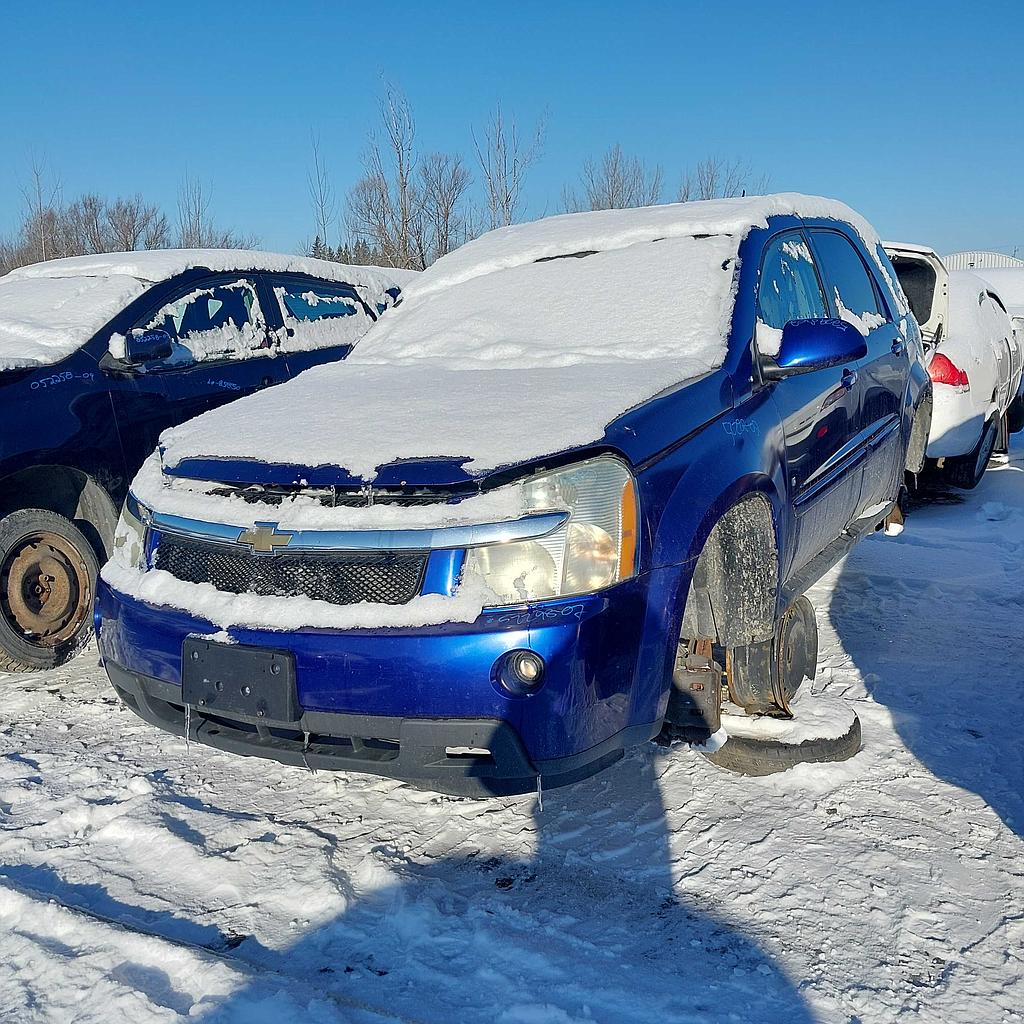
{"points": [[823, 729], [48, 573]]}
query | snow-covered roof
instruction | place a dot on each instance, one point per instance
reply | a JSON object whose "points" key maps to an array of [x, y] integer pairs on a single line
{"points": [[979, 259], [1007, 283], [152, 265], [496, 358], [968, 282], [605, 230], [47, 310]]}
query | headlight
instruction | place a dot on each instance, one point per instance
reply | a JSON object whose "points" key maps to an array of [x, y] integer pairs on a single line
{"points": [[595, 548], [130, 536]]}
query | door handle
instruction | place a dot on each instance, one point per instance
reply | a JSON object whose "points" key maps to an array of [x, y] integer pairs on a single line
{"points": [[849, 379], [898, 347]]}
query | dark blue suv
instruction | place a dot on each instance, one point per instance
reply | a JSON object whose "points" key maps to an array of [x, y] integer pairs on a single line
{"points": [[573, 488], [98, 355]]}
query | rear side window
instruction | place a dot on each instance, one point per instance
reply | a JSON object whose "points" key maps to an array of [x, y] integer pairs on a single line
{"points": [[320, 315], [788, 288], [849, 282], [319, 303]]}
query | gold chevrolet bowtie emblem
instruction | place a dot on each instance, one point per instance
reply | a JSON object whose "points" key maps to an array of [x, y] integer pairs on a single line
{"points": [[264, 538]]}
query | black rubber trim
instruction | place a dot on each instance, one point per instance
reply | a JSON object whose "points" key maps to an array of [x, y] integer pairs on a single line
{"points": [[411, 750], [747, 756]]}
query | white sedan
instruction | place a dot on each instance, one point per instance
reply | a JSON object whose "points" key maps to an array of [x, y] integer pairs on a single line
{"points": [[974, 360], [1009, 284]]}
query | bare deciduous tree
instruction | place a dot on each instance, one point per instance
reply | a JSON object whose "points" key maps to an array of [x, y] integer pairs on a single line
{"points": [[135, 224], [195, 226], [91, 223], [715, 178], [82, 225], [383, 206], [444, 224], [616, 182], [504, 158], [88, 224], [321, 194], [41, 200]]}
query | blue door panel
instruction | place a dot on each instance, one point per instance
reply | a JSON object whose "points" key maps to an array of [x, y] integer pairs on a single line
{"points": [[819, 410], [855, 286], [150, 399]]}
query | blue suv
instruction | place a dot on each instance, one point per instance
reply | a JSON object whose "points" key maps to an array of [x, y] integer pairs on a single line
{"points": [[98, 355], [572, 489]]}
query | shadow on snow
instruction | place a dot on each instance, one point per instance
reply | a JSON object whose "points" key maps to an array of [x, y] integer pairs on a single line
{"points": [[587, 928], [934, 622]]}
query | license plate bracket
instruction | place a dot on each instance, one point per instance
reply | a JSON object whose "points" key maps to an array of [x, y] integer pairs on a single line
{"points": [[232, 679]]}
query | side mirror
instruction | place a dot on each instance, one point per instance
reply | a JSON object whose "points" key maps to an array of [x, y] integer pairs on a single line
{"points": [[815, 345], [147, 346]]}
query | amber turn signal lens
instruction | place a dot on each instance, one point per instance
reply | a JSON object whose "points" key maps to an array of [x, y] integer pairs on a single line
{"points": [[628, 542]]}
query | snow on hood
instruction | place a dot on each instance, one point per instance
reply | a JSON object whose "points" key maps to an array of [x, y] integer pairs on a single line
{"points": [[48, 310], [505, 367], [494, 358]]}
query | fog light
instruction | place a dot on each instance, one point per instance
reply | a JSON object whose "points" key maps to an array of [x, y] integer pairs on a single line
{"points": [[521, 672]]}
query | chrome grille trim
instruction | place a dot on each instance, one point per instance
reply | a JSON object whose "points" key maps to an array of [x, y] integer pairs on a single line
{"points": [[447, 537]]}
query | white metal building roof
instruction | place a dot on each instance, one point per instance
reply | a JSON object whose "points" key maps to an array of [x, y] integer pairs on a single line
{"points": [[977, 259]]}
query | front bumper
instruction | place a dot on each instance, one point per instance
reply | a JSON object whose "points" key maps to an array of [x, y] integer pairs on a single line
{"points": [[402, 702], [437, 754]]}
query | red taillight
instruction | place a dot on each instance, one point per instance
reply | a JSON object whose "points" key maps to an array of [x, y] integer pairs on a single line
{"points": [[943, 371]]}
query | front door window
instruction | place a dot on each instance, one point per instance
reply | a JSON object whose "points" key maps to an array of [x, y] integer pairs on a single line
{"points": [[221, 321]]}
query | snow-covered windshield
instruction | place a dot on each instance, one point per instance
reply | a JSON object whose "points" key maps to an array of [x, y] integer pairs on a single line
{"points": [[49, 309], [652, 301], [44, 319]]}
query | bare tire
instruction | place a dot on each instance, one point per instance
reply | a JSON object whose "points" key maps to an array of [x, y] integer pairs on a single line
{"points": [[747, 756], [1003, 437], [1015, 415], [48, 573], [967, 470]]}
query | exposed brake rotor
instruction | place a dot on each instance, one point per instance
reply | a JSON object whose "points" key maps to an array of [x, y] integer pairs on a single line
{"points": [[763, 678]]}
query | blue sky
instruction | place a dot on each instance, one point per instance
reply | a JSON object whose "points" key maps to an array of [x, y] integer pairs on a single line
{"points": [[911, 112]]}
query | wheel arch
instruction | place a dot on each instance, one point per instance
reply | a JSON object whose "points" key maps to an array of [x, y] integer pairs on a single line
{"points": [[920, 429], [69, 492], [734, 591]]}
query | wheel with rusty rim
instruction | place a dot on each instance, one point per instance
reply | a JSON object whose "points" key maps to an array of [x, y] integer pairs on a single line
{"points": [[48, 573]]}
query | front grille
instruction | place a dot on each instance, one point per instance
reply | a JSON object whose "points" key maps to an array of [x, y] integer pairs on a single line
{"points": [[342, 577]]}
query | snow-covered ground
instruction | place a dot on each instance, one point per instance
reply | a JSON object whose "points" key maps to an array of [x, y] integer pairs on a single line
{"points": [[140, 881]]}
